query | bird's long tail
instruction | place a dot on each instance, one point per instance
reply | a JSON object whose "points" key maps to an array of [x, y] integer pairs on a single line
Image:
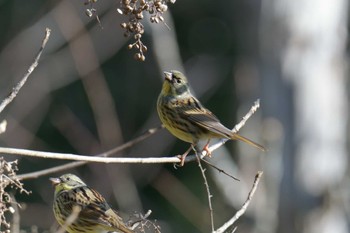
{"points": [[248, 141]]}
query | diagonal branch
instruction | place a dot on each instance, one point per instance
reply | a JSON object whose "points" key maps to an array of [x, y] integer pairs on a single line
{"points": [[19, 85], [244, 207]]}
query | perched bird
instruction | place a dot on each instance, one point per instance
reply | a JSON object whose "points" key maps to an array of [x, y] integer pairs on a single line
{"points": [[95, 215], [186, 118]]}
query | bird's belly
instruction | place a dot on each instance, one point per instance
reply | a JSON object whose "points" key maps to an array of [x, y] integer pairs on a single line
{"points": [[181, 134]]}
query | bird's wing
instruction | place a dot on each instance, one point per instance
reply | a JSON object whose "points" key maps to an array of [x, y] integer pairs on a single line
{"points": [[96, 208], [93, 205], [201, 116]]}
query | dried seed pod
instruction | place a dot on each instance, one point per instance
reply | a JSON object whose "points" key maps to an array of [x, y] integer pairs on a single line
{"points": [[137, 36], [139, 15], [163, 7], [144, 48], [137, 56]]}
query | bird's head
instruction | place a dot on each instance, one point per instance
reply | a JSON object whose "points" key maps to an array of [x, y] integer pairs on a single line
{"points": [[66, 182], [175, 83]]}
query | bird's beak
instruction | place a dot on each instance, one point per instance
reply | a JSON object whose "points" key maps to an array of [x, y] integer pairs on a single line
{"points": [[168, 76], [55, 181]]}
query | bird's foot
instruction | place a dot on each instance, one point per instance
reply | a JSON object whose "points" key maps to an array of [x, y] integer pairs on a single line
{"points": [[183, 157], [206, 149]]}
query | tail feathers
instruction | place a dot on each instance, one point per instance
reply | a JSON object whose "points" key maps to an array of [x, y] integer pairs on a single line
{"points": [[248, 141]]}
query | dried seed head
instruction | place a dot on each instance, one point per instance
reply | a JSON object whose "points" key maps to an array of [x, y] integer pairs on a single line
{"points": [[139, 15], [137, 36], [137, 56], [144, 48], [163, 7]]}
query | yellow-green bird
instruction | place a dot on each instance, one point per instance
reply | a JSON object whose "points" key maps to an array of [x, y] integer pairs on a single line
{"points": [[95, 215], [186, 118]]}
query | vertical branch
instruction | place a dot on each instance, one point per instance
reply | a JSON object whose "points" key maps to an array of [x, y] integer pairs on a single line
{"points": [[207, 189]]}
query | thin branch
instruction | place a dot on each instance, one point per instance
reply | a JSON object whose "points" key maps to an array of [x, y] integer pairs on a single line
{"points": [[219, 169], [19, 85], [252, 110], [207, 189], [33, 175], [97, 159], [102, 157], [244, 207]]}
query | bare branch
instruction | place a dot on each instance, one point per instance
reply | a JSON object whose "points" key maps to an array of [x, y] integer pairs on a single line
{"points": [[219, 169], [101, 158], [208, 191], [241, 211], [97, 159], [252, 110], [19, 85], [33, 175], [71, 165]]}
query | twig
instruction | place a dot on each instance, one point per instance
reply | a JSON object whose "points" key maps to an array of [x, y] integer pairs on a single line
{"points": [[33, 175], [241, 211], [219, 169], [207, 189], [71, 165], [19, 85], [252, 110]]}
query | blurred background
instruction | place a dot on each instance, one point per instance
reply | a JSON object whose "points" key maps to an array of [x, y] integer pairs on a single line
{"points": [[89, 95]]}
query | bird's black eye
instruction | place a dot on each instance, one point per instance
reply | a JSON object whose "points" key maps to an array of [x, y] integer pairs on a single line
{"points": [[178, 80], [67, 178]]}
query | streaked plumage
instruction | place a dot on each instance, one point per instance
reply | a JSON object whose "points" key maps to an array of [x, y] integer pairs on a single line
{"points": [[95, 215], [186, 118]]}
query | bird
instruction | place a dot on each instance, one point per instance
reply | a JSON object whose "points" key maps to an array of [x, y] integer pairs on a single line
{"points": [[95, 215], [184, 116]]}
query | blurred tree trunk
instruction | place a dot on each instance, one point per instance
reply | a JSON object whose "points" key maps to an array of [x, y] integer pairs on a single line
{"points": [[303, 58]]}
